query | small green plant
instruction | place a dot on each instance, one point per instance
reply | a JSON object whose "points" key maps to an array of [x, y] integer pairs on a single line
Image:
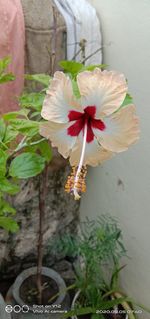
{"points": [[96, 254], [97, 247]]}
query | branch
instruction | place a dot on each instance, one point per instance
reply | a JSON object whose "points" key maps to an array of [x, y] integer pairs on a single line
{"points": [[22, 145], [83, 61]]}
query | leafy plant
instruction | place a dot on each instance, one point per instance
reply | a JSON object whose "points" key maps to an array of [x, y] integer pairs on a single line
{"points": [[23, 154], [96, 253], [97, 247]]}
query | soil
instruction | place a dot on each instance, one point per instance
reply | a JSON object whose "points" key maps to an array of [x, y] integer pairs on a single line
{"points": [[5, 285], [29, 293]]}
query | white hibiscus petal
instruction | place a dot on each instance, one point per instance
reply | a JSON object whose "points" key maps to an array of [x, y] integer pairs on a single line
{"points": [[104, 89], [57, 134], [94, 153], [122, 130], [59, 99]]}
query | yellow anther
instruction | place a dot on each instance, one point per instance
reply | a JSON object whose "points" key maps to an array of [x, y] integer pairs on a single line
{"points": [[79, 184]]}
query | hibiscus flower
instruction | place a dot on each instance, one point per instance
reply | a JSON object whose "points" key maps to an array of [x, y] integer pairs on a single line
{"points": [[88, 130]]}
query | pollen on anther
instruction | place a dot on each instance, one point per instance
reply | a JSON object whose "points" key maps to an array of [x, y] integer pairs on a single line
{"points": [[78, 185]]}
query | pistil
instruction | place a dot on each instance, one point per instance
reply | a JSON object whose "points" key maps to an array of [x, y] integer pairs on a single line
{"points": [[77, 176], [76, 181]]}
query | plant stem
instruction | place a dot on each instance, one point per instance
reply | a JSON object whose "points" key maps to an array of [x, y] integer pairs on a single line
{"points": [[25, 144], [42, 199], [82, 45], [84, 60]]}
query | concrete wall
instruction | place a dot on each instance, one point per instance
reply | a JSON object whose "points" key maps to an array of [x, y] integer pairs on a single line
{"points": [[121, 186]]}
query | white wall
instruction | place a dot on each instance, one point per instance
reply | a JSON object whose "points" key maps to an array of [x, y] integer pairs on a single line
{"points": [[122, 185]]}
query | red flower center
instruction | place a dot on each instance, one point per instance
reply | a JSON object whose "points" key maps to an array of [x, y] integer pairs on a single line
{"points": [[82, 119]]}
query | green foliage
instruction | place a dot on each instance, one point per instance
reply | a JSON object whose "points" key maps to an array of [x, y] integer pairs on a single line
{"points": [[32, 100], [9, 224], [2, 129], [5, 77], [75, 89], [5, 207], [128, 100], [45, 150], [10, 135], [28, 128], [41, 78], [97, 316], [73, 68], [23, 154], [3, 159], [6, 221], [92, 67], [7, 187], [98, 246], [101, 238], [26, 165], [103, 305], [13, 115], [4, 63]]}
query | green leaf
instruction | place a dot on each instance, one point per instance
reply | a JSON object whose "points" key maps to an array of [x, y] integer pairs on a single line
{"points": [[115, 277], [10, 134], [97, 316], [9, 224], [128, 100], [3, 159], [5, 207], [45, 150], [92, 67], [71, 66], [7, 187], [75, 89], [111, 303], [74, 68], [13, 115], [35, 114], [41, 78], [4, 63], [26, 127], [6, 78], [77, 312], [32, 100], [27, 165], [2, 129]]}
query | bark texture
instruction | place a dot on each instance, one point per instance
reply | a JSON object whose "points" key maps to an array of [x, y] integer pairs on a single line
{"points": [[19, 251]]}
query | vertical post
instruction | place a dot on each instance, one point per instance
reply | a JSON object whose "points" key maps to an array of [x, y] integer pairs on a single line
{"points": [[44, 178]]}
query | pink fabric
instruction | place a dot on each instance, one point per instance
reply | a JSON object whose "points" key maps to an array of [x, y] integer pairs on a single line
{"points": [[12, 38]]}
